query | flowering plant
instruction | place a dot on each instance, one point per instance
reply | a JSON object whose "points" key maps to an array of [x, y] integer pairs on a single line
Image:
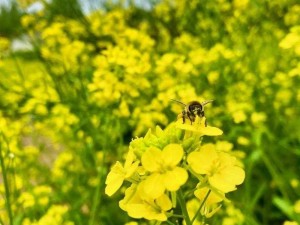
{"points": [[168, 168]]}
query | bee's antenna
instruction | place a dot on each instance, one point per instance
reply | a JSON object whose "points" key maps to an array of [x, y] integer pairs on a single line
{"points": [[174, 100], [206, 102]]}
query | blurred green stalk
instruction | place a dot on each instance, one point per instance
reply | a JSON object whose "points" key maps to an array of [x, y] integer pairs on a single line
{"points": [[4, 175]]}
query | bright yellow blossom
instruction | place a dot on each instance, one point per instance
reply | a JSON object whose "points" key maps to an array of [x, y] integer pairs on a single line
{"points": [[165, 174], [118, 174], [139, 205], [220, 168], [297, 206], [199, 127], [290, 223], [212, 198]]}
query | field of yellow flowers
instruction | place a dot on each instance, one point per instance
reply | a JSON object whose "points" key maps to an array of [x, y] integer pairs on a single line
{"points": [[89, 125]]}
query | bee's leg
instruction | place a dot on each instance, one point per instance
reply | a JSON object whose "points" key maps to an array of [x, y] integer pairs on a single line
{"points": [[191, 117], [183, 116], [201, 114]]}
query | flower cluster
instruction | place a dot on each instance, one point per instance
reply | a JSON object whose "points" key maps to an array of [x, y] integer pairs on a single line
{"points": [[167, 163]]}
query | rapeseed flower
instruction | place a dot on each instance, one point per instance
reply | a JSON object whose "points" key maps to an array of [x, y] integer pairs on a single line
{"points": [[119, 173], [219, 167], [139, 205], [163, 168], [199, 127]]}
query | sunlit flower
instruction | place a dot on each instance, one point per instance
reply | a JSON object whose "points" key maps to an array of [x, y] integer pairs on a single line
{"points": [[119, 173], [290, 223], [220, 168], [27, 200], [258, 117], [164, 172], [239, 116], [212, 198], [297, 206], [243, 140], [140, 205], [199, 127], [233, 215]]}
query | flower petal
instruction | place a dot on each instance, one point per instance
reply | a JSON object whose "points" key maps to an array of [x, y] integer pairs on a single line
{"points": [[227, 179], [175, 178], [211, 131], [153, 186], [137, 210], [199, 127], [114, 179], [129, 159], [130, 170], [202, 161], [164, 202], [150, 159], [212, 197], [172, 154]]}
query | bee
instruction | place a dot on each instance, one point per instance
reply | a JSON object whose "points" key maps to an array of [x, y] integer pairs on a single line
{"points": [[192, 109]]}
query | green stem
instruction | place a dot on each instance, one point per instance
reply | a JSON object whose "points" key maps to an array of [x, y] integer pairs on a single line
{"points": [[183, 207], [96, 198], [169, 222], [202, 204], [5, 181], [18, 67]]}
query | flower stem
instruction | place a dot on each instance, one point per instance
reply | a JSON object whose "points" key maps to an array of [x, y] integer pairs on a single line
{"points": [[202, 204], [5, 181], [184, 211]]}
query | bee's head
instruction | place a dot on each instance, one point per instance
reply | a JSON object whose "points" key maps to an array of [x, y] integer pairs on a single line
{"points": [[195, 107]]}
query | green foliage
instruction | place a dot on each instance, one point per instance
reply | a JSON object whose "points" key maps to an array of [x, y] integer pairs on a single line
{"points": [[66, 8], [10, 20]]}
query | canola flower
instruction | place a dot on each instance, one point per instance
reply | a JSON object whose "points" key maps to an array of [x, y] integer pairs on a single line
{"points": [[165, 165]]}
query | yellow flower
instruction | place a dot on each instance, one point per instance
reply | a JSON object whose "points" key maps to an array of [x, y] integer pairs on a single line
{"points": [[27, 200], [212, 198], [290, 223], [162, 164], [220, 168], [118, 173], [243, 140], [199, 127], [258, 118], [139, 205], [297, 206], [239, 116]]}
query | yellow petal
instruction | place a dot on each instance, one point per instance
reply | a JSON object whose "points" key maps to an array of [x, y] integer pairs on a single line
{"points": [[172, 154], [199, 127], [211, 131], [164, 202], [129, 159], [153, 186], [130, 170], [235, 175], [114, 179], [202, 161], [150, 159], [175, 178], [212, 197], [220, 183], [131, 197], [155, 215], [227, 179], [137, 210]]}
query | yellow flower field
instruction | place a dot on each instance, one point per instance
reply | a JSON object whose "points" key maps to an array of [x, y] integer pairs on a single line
{"points": [[105, 119]]}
